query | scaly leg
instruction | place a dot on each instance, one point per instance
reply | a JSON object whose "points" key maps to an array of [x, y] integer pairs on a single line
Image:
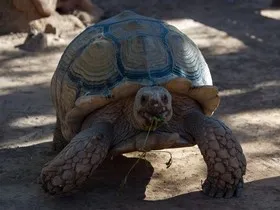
{"points": [[76, 162], [226, 163]]}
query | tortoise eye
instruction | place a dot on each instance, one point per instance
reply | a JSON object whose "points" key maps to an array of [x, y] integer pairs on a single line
{"points": [[164, 99], [144, 99]]}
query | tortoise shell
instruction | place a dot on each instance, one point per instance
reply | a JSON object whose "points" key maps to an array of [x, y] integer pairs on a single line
{"points": [[116, 57]]}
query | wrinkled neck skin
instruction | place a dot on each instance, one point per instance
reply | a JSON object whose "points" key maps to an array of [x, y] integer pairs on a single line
{"points": [[120, 114], [114, 113]]}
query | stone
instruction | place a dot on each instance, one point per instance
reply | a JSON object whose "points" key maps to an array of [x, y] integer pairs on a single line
{"points": [[50, 29], [34, 42]]}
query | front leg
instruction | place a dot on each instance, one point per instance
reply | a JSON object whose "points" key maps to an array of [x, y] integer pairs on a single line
{"points": [[76, 162], [226, 163]]}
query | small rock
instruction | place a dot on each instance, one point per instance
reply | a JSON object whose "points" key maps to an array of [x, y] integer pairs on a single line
{"points": [[49, 29], [34, 42]]}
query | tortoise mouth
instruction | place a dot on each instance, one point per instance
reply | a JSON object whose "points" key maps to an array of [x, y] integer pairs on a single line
{"points": [[152, 119]]}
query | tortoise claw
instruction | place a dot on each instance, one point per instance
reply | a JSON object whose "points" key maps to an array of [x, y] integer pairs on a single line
{"points": [[211, 189]]}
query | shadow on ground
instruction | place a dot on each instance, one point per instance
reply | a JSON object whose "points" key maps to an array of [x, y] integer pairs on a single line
{"points": [[20, 190]]}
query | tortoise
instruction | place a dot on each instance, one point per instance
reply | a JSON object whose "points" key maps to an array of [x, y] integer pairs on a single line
{"points": [[111, 84]]}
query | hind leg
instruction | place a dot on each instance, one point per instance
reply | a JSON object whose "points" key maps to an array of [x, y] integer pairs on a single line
{"points": [[59, 142]]}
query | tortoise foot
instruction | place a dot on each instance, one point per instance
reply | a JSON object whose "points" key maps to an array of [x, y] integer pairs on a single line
{"points": [[75, 163], [218, 188]]}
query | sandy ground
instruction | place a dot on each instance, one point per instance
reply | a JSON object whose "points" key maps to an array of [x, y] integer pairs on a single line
{"points": [[241, 43]]}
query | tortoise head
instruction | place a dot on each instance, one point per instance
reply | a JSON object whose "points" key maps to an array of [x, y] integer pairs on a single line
{"points": [[152, 106]]}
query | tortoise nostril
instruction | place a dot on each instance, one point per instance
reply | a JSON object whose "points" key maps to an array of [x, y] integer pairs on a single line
{"points": [[144, 99], [154, 102], [164, 99]]}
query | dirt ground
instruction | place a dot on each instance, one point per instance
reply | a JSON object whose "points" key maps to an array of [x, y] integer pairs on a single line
{"points": [[241, 43]]}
